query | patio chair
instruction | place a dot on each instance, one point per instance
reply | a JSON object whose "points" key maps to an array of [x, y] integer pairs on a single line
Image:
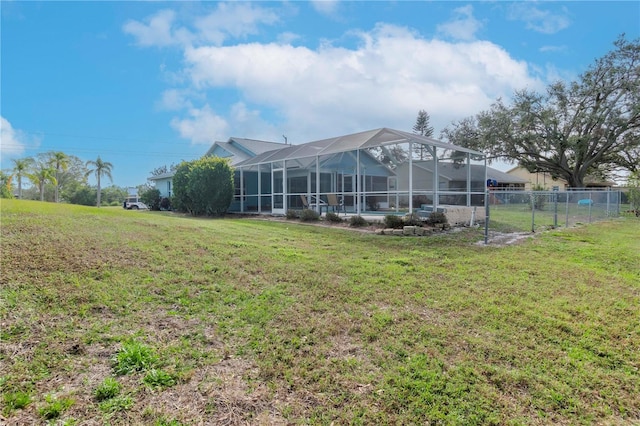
{"points": [[305, 203], [334, 202], [312, 202]]}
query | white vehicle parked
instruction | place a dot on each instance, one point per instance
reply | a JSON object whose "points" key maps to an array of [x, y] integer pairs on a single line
{"points": [[134, 203]]}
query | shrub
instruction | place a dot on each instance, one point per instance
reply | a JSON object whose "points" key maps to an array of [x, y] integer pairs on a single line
{"points": [[132, 357], [151, 198], [292, 214], [108, 389], [437, 217], [412, 220], [308, 215], [165, 203], [332, 217], [393, 221], [357, 221], [204, 186]]}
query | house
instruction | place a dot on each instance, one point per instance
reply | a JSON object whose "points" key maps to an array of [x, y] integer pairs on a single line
{"points": [[235, 149], [379, 169], [546, 181], [369, 171]]}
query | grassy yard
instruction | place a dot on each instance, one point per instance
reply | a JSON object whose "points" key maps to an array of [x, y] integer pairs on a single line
{"points": [[120, 317]]}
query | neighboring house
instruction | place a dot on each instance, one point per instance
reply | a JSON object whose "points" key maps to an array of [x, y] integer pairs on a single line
{"points": [[235, 149], [163, 183], [544, 180]]}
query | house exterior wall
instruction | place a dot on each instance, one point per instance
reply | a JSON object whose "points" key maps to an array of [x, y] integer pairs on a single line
{"points": [[165, 186], [534, 179]]}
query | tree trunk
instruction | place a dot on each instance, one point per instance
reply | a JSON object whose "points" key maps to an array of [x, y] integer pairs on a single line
{"points": [[98, 191], [20, 187], [41, 191]]}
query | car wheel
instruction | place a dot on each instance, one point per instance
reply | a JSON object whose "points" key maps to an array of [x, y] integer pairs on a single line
{"points": [[135, 207]]}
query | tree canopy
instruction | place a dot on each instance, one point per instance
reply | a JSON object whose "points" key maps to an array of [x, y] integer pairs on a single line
{"points": [[99, 168], [422, 126], [587, 127]]}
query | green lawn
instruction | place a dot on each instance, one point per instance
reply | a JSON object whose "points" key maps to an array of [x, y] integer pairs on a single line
{"points": [[115, 317]]}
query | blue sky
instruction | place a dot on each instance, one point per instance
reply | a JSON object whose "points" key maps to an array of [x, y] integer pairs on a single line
{"points": [[144, 84]]}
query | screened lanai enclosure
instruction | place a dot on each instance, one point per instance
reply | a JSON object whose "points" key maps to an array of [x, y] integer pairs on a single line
{"points": [[377, 171]]}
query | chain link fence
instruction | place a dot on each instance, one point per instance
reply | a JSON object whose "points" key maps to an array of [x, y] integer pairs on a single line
{"points": [[532, 211]]}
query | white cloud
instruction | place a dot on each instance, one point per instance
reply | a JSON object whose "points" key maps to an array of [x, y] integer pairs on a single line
{"points": [[203, 127], [157, 31], [463, 26], [233, 19], [326, 7], [542, 21], [553, 49], [227, 20], [287, 37], [175, 99], [383, 82], [13, 142], [329, 90]]}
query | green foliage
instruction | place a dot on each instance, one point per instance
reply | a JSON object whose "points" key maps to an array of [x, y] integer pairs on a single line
{"points": [[634, 190], [80, 193], [99, 169], [5, 185], [134, 356], [165, 203], [166, 422], [571, 131], [159, 379], [151, 198], [108, 389], [292, 214], [412, 220], [113, 195], [54, 407], [437, 218], [309, 215], [393, 221], [40, 174], [357, 221], [117, 403], [332, 217], [16, 401], [422, 126], [204, 186]]}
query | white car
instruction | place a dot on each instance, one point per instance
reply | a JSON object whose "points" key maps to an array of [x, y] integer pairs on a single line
{"points": [[133, 203]]}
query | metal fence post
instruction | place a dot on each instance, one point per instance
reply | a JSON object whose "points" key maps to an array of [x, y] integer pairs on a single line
{"points": [[533, 211], [566, 219], [486, 217], [555, 207]]}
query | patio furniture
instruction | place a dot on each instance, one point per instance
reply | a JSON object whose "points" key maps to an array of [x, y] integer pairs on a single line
{"points": [[334, 202]]}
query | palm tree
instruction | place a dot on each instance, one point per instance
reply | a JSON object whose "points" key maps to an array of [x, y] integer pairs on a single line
{"points": [[60, 161], [40, 175], [20, 168], [99, 168]]}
